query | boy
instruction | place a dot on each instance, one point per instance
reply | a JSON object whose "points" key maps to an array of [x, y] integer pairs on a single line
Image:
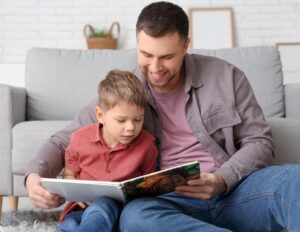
{"points": [[113, 149]]}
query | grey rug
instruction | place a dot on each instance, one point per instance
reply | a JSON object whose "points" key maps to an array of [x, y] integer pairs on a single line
{"points": [[29, 221]]}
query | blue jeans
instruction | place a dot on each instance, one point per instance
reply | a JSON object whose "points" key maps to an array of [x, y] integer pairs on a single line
{"points": [[267, 200], [101, 215]]}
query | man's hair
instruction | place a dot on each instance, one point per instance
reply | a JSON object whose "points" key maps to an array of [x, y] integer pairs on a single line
{"points": [[120, 85], [159, 18]]}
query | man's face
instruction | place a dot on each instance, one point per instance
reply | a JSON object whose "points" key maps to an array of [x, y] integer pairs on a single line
{"points": [[120, 124], [161, 59]]}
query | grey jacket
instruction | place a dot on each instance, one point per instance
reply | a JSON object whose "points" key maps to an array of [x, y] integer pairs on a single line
{"points": [[221, 109]]}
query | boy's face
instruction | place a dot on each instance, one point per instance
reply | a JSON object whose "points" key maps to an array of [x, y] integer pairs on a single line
{"points": [[161, 59], [121, 124]]}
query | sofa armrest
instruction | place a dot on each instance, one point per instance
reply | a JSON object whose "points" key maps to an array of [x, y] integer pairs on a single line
{"points": [[286, 136], [292, 99], [12, 111]]}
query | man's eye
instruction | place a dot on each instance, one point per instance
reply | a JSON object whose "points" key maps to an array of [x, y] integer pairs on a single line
{"points": [[168, 57]]}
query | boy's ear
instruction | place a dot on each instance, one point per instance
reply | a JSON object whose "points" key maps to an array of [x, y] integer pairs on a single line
{"points": [[99, 114]]}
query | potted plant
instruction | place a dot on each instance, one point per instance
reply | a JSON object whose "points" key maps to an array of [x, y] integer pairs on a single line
{"points": [[101, 39]]}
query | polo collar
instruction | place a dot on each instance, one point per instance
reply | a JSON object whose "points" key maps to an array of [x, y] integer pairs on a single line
{"points": [[97, 137]]}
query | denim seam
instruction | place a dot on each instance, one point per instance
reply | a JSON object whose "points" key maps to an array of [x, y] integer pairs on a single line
{"points": [[225, 203], [289, 187]]}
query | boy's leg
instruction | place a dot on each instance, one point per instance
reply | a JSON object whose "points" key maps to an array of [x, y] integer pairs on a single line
{"points": [[101, 215], [265, 201], [70, 223]]}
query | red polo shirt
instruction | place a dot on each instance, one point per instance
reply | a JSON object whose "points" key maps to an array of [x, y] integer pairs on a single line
{"points": [[88, 155]]}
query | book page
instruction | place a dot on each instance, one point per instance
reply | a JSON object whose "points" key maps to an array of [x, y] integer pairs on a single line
{"points": [[160, 182]]}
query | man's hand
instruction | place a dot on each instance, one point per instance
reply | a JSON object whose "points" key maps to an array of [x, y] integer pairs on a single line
{"points": [[206, 187], [39, 196]]}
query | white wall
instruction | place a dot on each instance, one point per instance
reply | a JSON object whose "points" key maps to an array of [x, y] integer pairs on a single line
{"points": [[59, 23], [12, 74]]}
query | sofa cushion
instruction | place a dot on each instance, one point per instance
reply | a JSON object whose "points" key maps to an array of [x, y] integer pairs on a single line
{"points": [[286, 134], [263, 69], [59, 82], [26, 136]]}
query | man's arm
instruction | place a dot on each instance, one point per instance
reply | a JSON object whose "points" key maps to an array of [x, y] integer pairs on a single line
{"points": [[252, 137], [49, 159], [253, 140]]}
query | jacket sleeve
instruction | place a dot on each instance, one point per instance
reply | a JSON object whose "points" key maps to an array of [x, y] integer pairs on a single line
{"points": [[49, 159], [252, 137]]}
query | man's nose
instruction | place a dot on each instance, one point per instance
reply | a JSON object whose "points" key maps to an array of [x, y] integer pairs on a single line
{"points": [[155, 65]]}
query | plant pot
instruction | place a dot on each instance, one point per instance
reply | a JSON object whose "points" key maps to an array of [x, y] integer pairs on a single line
{"points": [[108, 42]]}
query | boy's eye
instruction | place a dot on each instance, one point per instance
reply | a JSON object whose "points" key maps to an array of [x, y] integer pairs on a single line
{"points": [[120, 120], [138, 119]]}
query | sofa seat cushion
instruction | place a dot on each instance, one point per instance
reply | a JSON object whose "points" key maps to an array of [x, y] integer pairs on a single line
{"points": [[286, 134], [26, 136]]}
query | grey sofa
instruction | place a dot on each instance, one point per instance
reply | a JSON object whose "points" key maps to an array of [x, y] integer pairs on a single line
{"points": [[59, 82]]}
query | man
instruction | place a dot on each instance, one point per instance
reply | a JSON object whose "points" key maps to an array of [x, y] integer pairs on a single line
{"points": [[201, 108]]}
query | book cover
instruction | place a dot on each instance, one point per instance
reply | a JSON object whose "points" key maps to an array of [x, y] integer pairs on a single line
{"points": [[160, 182], [83, 190], [152, 184]]}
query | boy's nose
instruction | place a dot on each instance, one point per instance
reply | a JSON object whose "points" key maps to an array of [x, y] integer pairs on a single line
{"points": [[130, 126]]}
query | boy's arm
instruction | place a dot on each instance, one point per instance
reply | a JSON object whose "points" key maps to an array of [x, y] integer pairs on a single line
{"points": [[72, 170], [151, 158], [69, 174]]}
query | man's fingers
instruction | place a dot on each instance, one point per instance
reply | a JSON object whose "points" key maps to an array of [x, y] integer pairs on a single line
{"points": [[197, 195], [47, 203], [39, 196], [43, 199]]}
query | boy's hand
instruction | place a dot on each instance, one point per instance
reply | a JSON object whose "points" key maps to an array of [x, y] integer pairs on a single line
{"points": [[83, 205]]}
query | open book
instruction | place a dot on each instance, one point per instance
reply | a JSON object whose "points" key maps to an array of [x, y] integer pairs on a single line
{"points": [[152, 184]]}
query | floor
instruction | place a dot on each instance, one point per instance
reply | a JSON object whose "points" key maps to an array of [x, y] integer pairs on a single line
{"points": [[24, 204]]}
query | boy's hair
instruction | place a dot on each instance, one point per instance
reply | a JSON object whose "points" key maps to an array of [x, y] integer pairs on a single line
{"points": [[120, 85], [159, 18]]}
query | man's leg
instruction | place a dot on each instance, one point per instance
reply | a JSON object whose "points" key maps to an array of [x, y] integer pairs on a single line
{"points": [[164, 214], [265, 201], [101, 215], [268, 200]]}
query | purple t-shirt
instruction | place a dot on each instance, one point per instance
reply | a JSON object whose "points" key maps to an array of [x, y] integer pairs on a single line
{"points": [[179, 145]]}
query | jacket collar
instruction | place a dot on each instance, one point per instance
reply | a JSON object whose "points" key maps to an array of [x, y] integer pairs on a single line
{"points": [[191, 69]]}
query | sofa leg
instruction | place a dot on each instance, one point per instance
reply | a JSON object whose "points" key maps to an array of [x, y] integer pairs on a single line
{"points": [[1, 200], [13, 203]]}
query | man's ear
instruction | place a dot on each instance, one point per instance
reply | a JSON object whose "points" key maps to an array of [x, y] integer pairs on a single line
{"points": [[99, 114], [187, 43]]}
